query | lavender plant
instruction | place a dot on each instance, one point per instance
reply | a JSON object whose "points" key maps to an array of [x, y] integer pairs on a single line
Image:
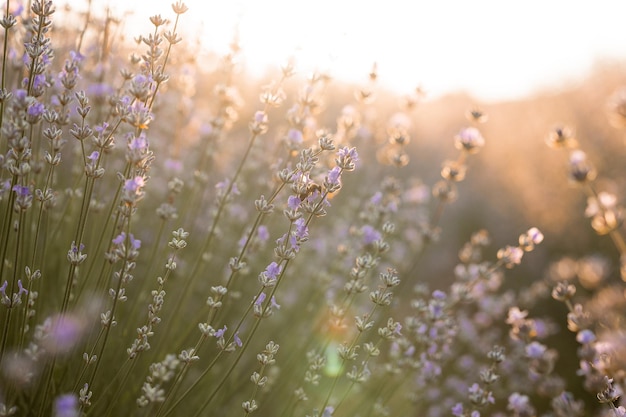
{"points": [[170, 248]]}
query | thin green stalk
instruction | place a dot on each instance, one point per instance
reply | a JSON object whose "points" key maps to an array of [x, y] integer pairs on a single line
{"points": [[225, 377], [249, 338], [257, 222], [43, 405], [31, 70], [17, 266], [207, 243], [614, 234], [81, 36], [5, 245], [38, 231], [391, 391], [152, 264], [5, 51], [91, 354], [82, 220], [133, 360], [220, 210], [356, 338], [239, 324], [109, 216], [255, 390], [353, 382], [179, 377], [107, 329], [210, 366], [120, 387], [165, 59]]}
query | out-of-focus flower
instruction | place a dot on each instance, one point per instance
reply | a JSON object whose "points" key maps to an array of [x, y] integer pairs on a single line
{"points": [[581, 169], [66, 406], [469, 140], [561, 137], [65, 332], [510, 256]]}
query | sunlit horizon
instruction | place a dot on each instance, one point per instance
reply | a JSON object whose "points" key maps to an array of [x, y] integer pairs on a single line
{"points": [[490, 49]]}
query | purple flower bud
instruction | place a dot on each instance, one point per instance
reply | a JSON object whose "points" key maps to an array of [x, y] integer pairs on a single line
{"points": [[17, 9], [21, 289], [260, 117], [302, 230], [535, 350], [334, 175], [119, 239], [294, 136], [260, 299], [370, 234], [469, 139], [173, 165], [263, 234], [133, 185], [21, 190], [273, 270], [38, 82], [518, 403], [99, 90], [65, 332], [584, 337], [20, 94], [76, 56], [35, 109], [140, 79], [135, 243], [439, 295], [535, 235], [66, 406], [328, 411], [220, 332], [293, 202], [346, 152], [139, 143], [101, 129]]}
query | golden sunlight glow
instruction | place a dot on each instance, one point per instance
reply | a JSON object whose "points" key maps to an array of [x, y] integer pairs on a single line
{"points": [[490, 48]]}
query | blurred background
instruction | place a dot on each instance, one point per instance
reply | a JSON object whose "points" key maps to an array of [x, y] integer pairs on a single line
{"points": [[491, 49]]}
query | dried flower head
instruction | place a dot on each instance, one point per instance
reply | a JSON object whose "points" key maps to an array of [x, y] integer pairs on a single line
{"points": [[561, 137], [617, 109], [528, 240], [476, 115], [510, 256], [581, 169], [179, 7], [469, 140]]}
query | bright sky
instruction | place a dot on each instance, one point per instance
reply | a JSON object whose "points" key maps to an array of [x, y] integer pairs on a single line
{"points": [[494, 49]]}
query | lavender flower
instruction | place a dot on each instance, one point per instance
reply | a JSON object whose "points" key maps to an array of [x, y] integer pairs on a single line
{"points": [[469, 140], [269, 277], [66, 331], [66, 406]]}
